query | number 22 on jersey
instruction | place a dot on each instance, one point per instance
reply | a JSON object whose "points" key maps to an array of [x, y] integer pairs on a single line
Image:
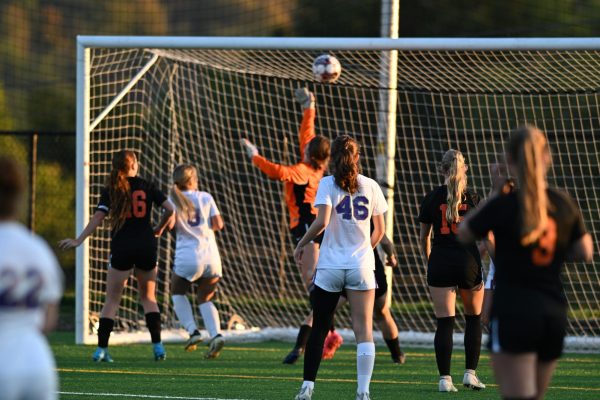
{"points": [[444, 229], [357, 207]]}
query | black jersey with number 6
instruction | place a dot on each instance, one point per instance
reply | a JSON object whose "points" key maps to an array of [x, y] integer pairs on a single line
{"points": [[528, 277], [137, 226]]}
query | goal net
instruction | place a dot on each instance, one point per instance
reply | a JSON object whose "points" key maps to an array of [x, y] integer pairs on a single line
{"points": [[174, 101]]}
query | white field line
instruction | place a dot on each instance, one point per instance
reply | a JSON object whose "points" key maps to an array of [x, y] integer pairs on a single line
{"points": [[140, 396]]}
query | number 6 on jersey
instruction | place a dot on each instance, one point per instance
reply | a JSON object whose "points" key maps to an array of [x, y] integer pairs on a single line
{"points": [[356, 206]]}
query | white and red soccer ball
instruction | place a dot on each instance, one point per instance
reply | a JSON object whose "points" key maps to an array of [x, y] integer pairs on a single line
{"points": [[326, 68]]}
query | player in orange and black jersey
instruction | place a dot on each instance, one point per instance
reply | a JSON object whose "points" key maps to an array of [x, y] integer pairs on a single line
{"points": [[536, 229], [127, 200], [301, 183], [452, 267]]}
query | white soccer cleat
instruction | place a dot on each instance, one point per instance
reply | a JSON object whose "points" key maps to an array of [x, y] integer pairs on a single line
{"points": [[304, 394], [363, 396], [215, 346], [191, 344], [446, 385], [471, 381]]}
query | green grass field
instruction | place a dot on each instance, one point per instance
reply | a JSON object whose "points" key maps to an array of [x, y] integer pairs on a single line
{"points": [[255, 371]]}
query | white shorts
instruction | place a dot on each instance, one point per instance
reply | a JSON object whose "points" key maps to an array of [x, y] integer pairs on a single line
{"points": [[194, 272], [336, 280]]}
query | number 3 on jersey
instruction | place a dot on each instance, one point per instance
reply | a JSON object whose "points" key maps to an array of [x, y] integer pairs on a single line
{"points": [[358, 207]]}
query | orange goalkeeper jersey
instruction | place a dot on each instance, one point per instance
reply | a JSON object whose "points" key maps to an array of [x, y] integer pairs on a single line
{"points": [[301, 179]]}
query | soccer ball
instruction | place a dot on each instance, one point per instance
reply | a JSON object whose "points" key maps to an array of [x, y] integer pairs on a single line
{"points": [[326, 68]]}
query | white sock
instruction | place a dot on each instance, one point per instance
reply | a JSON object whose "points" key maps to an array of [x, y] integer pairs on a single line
{"points": [[184, 312], [309, 384], [210, 315], [365, 360]]}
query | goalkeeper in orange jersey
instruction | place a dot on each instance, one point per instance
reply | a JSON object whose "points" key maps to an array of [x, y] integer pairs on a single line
{"points": [[301, 183]]}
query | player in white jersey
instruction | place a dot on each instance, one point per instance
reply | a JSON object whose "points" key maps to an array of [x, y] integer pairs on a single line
{"points": [[30, 290], [196, 257], [346, 204]]}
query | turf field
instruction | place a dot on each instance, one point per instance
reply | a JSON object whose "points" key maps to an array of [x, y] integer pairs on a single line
{"points": [[254, 371]]}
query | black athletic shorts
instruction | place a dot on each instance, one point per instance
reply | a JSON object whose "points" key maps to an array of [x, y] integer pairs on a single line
{"points": [[135, 254], [299, 230], [449, 267], [528, 333]]}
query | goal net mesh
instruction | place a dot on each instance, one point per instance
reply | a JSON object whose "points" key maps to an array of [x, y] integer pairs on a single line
{"points": [[193, 106]]}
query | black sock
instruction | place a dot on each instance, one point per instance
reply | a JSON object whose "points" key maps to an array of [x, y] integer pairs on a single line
{"points": [[472, 341], [153, 325], [443, 344], [324, 304], [302, 338], [394, 346], [104, 330], [332, 326]]}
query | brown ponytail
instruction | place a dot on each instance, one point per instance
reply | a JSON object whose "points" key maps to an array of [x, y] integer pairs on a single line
{"points": [[119, 189], [529, 151], [183, 176], [453, 166], [344, 153], [319, 151]]}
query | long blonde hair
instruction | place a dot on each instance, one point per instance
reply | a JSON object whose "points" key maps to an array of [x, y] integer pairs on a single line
{"points": [[528, 150], [183, 175], [119, 188], [344, 153], [453, 167]]}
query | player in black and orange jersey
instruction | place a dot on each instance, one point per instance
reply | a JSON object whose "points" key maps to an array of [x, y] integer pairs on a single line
{"points": [[127, 200], [301, 183], [536, 229], [452, 265]]}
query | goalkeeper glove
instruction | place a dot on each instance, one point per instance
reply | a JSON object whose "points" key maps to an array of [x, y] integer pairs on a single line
{"points": [[305, 98], [251, 149]]}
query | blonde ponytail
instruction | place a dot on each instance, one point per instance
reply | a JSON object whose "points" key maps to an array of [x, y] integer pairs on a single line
{"points": [[453, 167], [528, 150], [183, 176]]}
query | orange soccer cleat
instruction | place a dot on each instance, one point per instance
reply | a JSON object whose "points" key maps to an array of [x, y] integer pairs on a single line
{"points": [[333, 342]]}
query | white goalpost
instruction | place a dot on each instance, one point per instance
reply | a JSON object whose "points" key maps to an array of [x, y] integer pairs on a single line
{"points": [[190, 99]]}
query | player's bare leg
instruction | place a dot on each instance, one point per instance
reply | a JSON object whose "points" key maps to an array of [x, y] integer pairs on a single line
{"points": [[184, 312], [206, 291], [147, 289], [516, 374], [545, 370], [444, 306], [361, 309], [388, 328]]}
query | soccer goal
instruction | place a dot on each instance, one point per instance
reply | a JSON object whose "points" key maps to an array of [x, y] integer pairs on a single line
{"points": [[182, 99]]}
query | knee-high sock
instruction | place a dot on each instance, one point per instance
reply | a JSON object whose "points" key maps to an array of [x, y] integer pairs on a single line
{"points": [[153, 325], [302, 338], [394, 347], [324, 304], [472, 341], [184, 312], [443, 344], [365, 360], [210, 315], [104, 330]]}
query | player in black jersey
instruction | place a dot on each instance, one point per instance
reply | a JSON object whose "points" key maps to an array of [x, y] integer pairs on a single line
{"points": [[536, 229], [451, 265], [127, 200]]}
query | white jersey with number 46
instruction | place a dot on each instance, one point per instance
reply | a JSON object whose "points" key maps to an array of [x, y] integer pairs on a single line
{"points": [[196, 244], [30, 279], [347, 239]]}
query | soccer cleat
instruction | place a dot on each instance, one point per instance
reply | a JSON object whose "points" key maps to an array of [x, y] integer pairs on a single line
{"points": [[194, 339], [333, 342], [215, 346], [293, 356], [101, 355], [304, 394], [446, 385], [471, 381], [363, 396], [159, 352], [399, 360]]}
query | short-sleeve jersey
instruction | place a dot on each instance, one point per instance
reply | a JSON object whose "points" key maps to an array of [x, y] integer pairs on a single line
{"points": [[519, 269], [30, 279], [433, 211], [196, 243], [347, 239], [138, 225]]}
